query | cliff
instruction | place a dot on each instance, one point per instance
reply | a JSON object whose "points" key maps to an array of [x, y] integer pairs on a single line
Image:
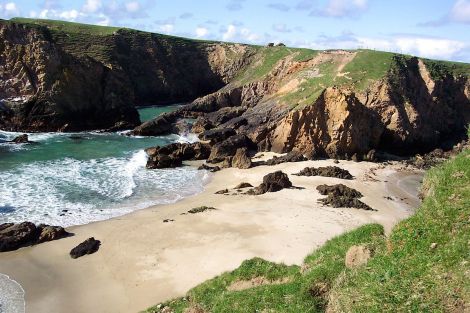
{"points": [[66, 76]]}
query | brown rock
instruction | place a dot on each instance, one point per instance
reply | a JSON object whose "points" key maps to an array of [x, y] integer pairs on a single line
{"points": [[241, 159], [328, 171], [357, 256], [338, 190], [272, 182], [49, 233], [89, 246], [243, 185], [228, 148]]}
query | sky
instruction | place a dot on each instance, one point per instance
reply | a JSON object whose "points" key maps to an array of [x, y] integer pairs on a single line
{"points": [[438, 29]]}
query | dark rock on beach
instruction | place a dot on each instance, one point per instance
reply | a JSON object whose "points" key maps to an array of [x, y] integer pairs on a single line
{"points": [[89, 246], [328, 171], [211, 169], [345, 202], [14, 236], [338, 190], [201, 209], [272, 182], [341, 196], [292, 156], [243, 185]]}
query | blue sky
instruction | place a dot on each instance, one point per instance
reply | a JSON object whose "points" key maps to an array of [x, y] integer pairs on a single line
{"points": [[430, 28]]}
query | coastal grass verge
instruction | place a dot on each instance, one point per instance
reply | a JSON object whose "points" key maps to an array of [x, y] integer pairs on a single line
{"points": [[422, 266], [259, 285]]}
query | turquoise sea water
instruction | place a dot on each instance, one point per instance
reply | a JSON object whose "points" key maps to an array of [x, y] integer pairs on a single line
{"points": [[76, 178]]}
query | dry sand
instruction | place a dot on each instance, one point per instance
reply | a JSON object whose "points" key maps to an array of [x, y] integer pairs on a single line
{"points": [[143, 261]]}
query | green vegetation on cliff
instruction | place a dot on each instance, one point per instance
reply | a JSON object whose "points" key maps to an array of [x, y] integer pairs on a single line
{"points": [[422, 266]]}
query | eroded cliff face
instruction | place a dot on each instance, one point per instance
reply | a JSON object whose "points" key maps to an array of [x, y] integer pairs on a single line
{"points": [[51, 80], [406, 111]]}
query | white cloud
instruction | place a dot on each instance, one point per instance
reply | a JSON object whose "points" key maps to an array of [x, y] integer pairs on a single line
{"points": [[92, 6], [461, 11], [201, 32], [342, 8], [133, 6], [230, 33], [429, 47], [71, 15], [167, 28], [9, 10]]}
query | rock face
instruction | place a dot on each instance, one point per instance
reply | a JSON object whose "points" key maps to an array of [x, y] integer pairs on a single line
{"points": [[217, 135], [272, 182], [339, 122], [15, 236], [89, 246], [241, 159]]}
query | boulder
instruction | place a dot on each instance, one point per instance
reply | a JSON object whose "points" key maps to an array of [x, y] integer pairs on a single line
{"points": [[50, 233], [241, 159], [228, 148], [14, 236], [272, 182], [89, 246], [328, 171], [357, 256]]}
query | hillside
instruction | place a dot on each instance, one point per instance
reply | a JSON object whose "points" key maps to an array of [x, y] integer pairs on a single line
{"points": [[336, 103], [422, 266]]}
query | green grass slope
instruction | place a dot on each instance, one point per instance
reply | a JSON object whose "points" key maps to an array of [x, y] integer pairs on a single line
{"points": [[423, 266]]}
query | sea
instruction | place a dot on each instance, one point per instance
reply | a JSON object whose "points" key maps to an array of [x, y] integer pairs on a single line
{"points": [[76, 178]]}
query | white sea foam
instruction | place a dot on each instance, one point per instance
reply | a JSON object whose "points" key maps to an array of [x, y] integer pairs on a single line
{"points": [[11, 296], [70, 192]]}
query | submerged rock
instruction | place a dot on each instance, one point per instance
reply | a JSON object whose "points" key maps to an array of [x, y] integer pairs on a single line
{"points": [[328, 171], [21, 139], [89, 246], [14, 236]]}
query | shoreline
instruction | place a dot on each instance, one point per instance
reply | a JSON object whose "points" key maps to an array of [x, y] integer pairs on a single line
{"points": [[143, 261]]}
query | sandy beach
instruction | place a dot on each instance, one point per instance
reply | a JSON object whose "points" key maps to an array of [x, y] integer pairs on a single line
{"points": [[143, 261]]}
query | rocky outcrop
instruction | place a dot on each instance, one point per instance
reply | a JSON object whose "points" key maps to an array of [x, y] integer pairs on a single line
{"points": [[14, 236], [338, 190], [292, 156], [89, 246], [174, 154], [160, 125]]}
